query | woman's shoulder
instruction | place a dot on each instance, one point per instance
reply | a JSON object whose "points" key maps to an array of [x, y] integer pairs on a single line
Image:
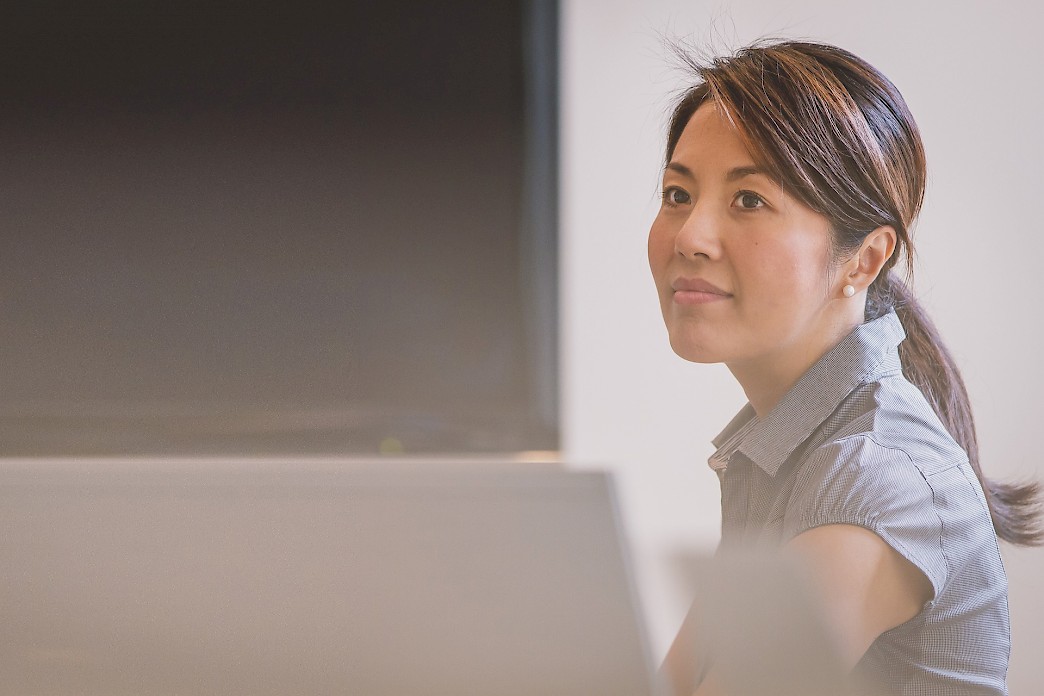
{"points": [[886, 423], [903, 478], [885, 459]]}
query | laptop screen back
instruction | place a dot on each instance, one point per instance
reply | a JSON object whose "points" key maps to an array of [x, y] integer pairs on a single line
{"points": [[252, 578]]}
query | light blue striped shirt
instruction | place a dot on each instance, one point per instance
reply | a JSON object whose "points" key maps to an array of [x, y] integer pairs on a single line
{"points": [[853, 442]]}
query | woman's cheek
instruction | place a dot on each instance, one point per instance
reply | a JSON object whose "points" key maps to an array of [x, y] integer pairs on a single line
{"points": [[660, 247]]}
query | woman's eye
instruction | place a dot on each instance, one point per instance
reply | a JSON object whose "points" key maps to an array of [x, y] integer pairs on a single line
{"points": [[675, 196], [749, 201]]}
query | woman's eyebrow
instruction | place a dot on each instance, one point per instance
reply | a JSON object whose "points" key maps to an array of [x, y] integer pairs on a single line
{"points": [[680, 169], [740, 172], [733, 174]]}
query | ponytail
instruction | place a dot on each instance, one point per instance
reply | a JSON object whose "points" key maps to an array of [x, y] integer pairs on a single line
{"points": [[1014, 507]]}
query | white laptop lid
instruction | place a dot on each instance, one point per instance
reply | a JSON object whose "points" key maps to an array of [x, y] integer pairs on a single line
{"points": [[313, 578]]}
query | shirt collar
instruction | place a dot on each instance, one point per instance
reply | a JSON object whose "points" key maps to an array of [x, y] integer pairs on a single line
{"points": [[869, 352]]}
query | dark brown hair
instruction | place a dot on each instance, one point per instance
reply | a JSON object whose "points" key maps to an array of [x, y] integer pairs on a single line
{"points": [[840, 138]]}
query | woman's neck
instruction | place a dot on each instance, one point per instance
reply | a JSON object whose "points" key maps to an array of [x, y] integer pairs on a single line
{"points": [[766, 378]]}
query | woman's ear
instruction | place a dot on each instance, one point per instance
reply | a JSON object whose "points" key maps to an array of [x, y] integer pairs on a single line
{"points": [[864, 267]]}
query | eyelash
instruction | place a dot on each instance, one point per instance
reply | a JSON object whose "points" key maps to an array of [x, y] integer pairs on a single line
{"points": [[665, 196], [741, 194]]}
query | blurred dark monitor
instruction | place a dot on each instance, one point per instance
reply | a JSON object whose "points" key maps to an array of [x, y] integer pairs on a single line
{"points": [[260, 228]]}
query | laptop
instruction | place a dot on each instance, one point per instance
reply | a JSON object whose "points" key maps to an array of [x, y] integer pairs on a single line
{"points": [[122, 578]]}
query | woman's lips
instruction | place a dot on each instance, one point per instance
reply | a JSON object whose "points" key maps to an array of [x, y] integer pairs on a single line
{"points": [[691, 297], [692, 291]]}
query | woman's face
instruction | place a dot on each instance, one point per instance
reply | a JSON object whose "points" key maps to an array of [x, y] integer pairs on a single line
{"points": [[742, 269]]}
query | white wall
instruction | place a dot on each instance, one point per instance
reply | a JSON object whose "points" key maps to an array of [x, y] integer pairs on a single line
{"points": [[971, 77]]}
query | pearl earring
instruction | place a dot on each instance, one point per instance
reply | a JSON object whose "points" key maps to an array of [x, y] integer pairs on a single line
{"points": [[848, 290]]}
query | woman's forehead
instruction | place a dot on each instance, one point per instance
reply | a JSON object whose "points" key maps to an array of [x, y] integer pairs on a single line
{"points": [[710, 141]]}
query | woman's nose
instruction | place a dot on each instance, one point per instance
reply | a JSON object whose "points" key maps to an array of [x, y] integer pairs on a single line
{"points": [[698, 235]]}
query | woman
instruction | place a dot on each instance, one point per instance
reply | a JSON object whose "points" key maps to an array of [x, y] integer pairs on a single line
{"points": [[794, 172]]}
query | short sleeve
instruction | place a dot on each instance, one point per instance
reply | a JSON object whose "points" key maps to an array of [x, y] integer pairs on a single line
{"points": [[860, 482]]}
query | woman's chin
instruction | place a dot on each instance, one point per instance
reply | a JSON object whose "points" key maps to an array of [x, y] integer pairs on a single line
{"points": [[695, 352]]}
